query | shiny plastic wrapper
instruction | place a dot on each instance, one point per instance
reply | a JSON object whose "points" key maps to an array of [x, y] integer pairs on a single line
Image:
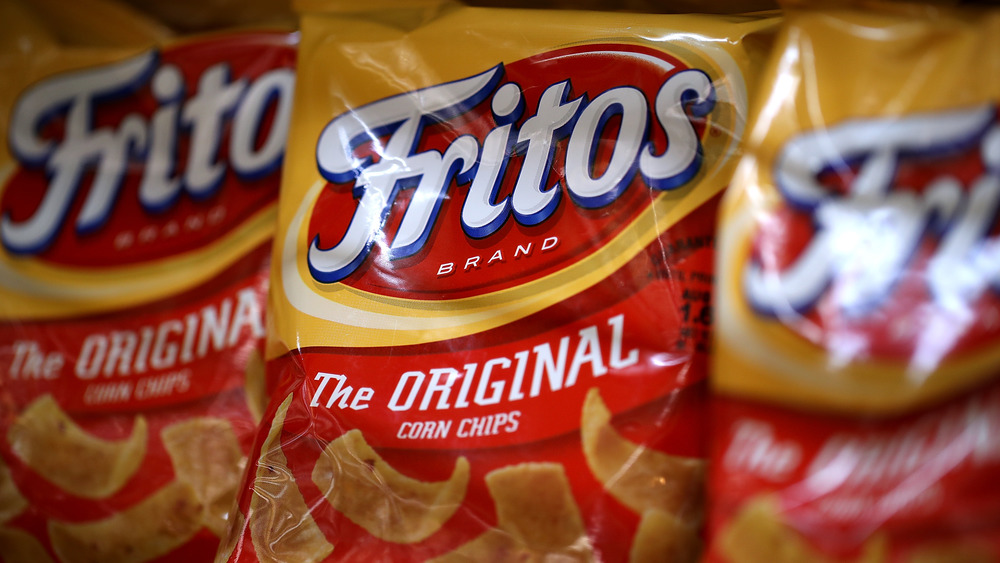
{"points": [[138, 185], [491, 285], [856, 354]]}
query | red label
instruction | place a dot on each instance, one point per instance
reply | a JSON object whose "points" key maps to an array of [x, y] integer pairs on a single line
{"points": [[839, 483], [148, 157], [513, 392], [885, 238], [189, 346], [505, 177], [536, 370], [161, 155], [514, 395]]}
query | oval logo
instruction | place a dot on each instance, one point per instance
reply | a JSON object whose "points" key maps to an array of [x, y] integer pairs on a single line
{"points": [[887, 242], [504, 177], [149, 157]]}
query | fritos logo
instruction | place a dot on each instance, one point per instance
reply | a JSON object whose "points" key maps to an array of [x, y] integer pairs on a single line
{"points": [[507, 175], [892, 218], [140, 159]]}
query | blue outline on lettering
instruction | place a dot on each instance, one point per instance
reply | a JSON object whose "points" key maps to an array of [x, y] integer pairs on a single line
{"points": [[270, 167], [43, 120], [174, 149], [373, 134], [472, 101], [509, 152], [442, 115], [944, 227], [689, 101], [323, 276], [225, 118], [931, 223], [127, 89], [53, 232], [786, 306], [500, 220], [363, 137], [845, 162], [130, 151], [516, 113], [610, 196], [453, 173], [558, 135]]}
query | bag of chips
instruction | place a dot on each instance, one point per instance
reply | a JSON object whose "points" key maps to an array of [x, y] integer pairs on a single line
{"points": [[857, 299], [138, 187], [491, 285]]}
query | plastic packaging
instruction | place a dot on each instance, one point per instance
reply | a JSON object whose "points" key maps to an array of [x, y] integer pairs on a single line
{"points": [[855, 354], [491, 285], [138, 186]]}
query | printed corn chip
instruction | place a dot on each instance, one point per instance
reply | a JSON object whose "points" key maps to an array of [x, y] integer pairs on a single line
{"points": [[280, 524], [662, 536], [537, 519], [535, 504], [757, 535], [206, 455], [639, 477], [390, 505], [153, 527], [49, 442]]}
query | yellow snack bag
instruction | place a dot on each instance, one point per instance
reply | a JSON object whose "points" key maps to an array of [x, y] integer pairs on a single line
{"points": [[857, 295], [490, 285], [138, 184]]}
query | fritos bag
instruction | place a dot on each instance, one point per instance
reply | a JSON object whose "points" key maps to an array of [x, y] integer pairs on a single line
{"points": [[138, 188], [856, 354], [491, 285]]}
